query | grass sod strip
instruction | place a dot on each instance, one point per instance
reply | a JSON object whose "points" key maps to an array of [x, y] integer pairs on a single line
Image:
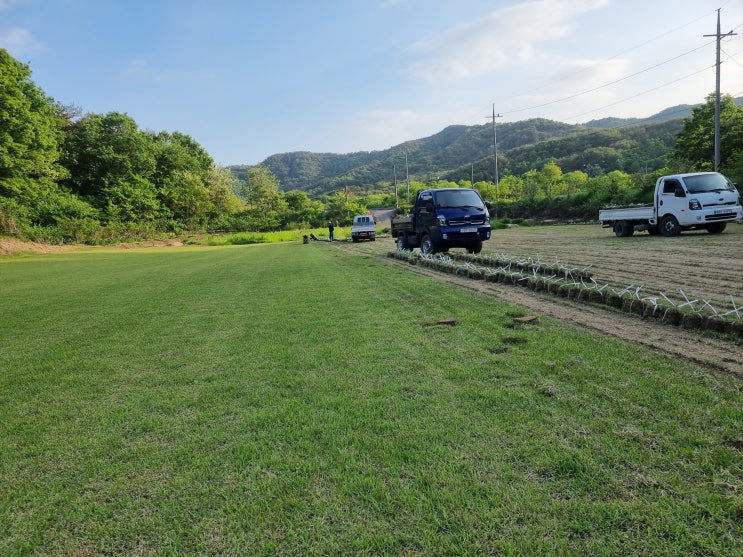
{"points": [[292, 399]]}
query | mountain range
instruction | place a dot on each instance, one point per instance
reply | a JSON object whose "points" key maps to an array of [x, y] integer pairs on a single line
{"points": [[460, 152]]}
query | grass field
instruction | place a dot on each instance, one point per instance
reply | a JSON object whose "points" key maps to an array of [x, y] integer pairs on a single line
{"points": [[296, 399]]}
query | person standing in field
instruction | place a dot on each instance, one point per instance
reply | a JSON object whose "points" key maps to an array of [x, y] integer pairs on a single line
{"points": [[331, 230]]}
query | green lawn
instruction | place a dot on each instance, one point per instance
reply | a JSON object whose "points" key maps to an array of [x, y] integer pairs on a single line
{"points": [[293, 399]]}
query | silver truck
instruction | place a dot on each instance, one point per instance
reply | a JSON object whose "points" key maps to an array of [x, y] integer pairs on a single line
{"points": [[363, 228], [699, 200]]}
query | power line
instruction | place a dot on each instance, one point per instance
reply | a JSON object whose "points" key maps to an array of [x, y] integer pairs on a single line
{"points": [[642, 93], [730, 57], [610, 82], [630, 49], [569, 97]]}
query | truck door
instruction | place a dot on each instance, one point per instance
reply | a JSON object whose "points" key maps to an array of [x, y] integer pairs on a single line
{"points": [[426, 217], [672, 200]]}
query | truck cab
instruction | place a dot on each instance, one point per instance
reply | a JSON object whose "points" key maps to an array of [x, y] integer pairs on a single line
{"points": [[444, 218], [701, 200]]}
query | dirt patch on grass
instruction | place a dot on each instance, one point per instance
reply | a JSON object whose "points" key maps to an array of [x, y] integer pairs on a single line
{"points": [[10, 246], [150, 244]]}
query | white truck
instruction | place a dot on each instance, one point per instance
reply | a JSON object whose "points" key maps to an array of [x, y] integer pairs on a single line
{"points": [[363, 228], [699, 200]]}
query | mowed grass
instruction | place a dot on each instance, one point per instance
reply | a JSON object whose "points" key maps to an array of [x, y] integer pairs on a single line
{"points": [[297, 400]]}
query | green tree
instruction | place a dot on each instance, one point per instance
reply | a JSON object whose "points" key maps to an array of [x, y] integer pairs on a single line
{"points": [[176, 153], [510, 188], [133, 199], [531, 185], [197, 193], [341, 208], [303, 211], [694, 145], [30, 126], [550, 179], [108, 159], [266, 206], [221, 184], [575, 181], [31, 129], [187, 198]]}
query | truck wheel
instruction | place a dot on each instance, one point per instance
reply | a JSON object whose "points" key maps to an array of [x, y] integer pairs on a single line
{"points": [[427, 246], [669, 226], [624, 229], [402, 243], [475, 247], [716, 227]]}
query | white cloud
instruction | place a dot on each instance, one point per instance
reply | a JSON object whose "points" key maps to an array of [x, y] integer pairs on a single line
{"points": [[507, 36], [17, 40], [590, 72]]}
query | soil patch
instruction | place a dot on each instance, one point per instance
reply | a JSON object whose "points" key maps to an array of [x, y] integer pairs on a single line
{"points": [[10, 246]]}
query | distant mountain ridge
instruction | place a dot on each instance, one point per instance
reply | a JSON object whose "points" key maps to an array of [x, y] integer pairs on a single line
{"points": [[464, 152]]}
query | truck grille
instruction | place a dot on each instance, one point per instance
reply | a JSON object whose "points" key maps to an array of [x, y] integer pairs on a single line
{"points": [[464, 222], [726, 216], [719, 204]]}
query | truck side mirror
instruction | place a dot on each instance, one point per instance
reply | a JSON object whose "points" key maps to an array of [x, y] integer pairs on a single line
{"points": [[679, 192], [430, 207]]}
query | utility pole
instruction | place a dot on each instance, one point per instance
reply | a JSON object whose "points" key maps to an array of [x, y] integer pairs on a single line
{"points": [[394, 174], [717, 89], [495, 161], [407, 178]]}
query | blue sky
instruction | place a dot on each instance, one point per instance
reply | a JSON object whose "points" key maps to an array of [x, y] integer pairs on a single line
{"points": [[250, 78]]}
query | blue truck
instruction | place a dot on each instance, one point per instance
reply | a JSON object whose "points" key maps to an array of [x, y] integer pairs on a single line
{"points": [[442, 219]]}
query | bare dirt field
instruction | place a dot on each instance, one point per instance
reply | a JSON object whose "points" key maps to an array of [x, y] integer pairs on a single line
{"points": [[703, 266]]}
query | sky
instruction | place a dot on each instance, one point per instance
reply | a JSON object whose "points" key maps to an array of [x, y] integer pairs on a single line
{"points": [[247, 79]]}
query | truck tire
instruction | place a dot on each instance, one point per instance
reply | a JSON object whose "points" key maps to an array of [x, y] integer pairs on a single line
{"points": [[427, 245], [716, 227], [669, 226], [624, 229], [402, 243], [475, 247]]}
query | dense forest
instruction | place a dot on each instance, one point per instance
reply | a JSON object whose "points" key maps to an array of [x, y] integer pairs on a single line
{"points": [[68, 176]]}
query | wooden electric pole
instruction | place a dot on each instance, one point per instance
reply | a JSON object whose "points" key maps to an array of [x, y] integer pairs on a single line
{"points": [[717, 90]]}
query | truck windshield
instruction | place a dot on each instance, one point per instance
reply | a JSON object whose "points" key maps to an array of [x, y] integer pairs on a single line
{"points": [[703, 183], [458, 198]]}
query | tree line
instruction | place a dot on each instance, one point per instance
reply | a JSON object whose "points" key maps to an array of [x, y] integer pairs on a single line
{"points": [[97, 178]]}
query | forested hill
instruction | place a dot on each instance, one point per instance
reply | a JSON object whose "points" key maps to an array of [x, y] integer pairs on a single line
{"points": [[462, 152]]}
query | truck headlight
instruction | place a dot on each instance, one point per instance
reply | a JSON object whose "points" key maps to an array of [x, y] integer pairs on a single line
{"points": [[694, 204], [442, 220]]}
